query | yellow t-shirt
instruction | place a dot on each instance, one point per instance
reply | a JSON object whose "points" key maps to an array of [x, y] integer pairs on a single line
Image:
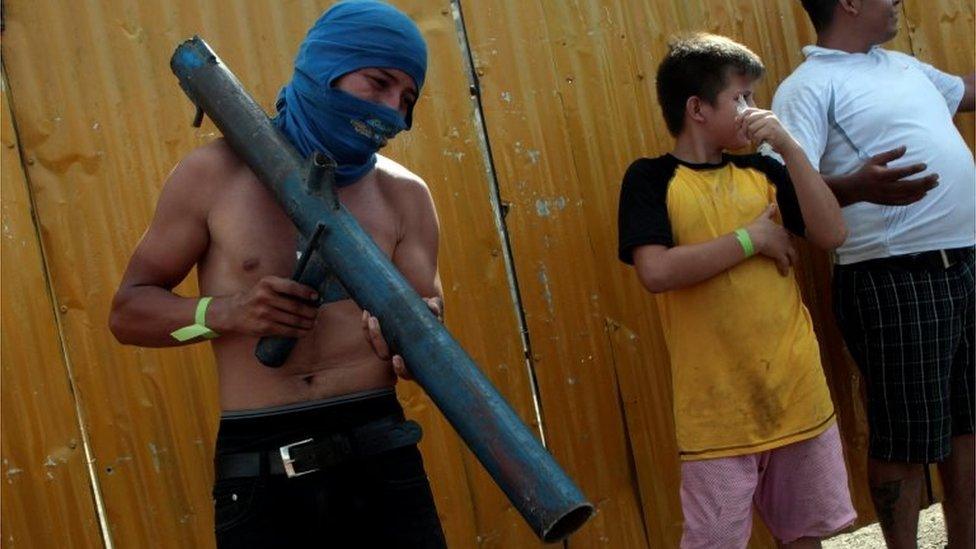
{"points": [[745, 365]]}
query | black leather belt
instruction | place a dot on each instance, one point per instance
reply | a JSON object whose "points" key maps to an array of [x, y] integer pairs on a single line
{"points": [[321, 451], [930, 260]]}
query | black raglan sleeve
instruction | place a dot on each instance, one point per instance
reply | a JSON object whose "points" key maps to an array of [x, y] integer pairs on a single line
{"points": [[789, 206], [642, 216]]}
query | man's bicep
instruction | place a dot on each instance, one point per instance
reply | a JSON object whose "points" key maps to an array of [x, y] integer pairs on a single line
{"points": [[176, 239], [166, 254], [415, 255]]}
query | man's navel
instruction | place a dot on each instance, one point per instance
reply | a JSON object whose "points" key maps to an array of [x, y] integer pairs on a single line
{"points": [[250, 264]]}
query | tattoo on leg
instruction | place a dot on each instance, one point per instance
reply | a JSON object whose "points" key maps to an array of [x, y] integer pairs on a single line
{"points": [[885, 496]]}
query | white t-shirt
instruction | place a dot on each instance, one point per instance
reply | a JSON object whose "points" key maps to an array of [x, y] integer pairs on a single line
{"points": [[844, 108]]}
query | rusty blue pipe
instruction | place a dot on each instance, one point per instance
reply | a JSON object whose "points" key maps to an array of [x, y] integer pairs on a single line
{"points": [[548, 499]]}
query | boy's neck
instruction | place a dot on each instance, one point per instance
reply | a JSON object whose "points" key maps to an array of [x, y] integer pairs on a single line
{"points": [[695, 150]]}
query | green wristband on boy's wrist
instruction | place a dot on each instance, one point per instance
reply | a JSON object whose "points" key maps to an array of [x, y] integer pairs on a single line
{"points": [[745, 241], [199, 327]]}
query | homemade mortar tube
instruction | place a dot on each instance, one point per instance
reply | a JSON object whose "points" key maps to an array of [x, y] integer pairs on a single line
{"points": [[551, 503]]}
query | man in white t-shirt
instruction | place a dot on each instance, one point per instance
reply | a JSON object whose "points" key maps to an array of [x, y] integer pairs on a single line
{"points": [[903, 283]]}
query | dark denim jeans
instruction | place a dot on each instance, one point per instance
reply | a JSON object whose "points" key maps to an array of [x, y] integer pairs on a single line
{"points": [[377, 501]]}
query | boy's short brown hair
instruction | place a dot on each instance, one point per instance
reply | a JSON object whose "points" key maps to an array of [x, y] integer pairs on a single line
{"points": [[698, 65]]}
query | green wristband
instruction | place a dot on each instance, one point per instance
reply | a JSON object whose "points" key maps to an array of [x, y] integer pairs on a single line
{"points": [[745, 241], [199, 326]]}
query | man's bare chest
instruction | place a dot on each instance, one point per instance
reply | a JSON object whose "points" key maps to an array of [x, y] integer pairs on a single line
{"points": [[252, 237]]}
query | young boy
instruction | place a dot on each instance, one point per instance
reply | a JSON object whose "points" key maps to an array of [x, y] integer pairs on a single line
{"points": [[753, 415]]}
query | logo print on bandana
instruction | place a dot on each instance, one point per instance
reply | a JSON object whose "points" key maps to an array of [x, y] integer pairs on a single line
{"points": [[374, 129]]}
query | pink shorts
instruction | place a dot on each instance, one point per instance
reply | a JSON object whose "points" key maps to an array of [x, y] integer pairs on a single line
{"points": [[800, 491]]}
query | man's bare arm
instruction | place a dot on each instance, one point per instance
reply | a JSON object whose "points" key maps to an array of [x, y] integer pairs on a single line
{"points": [[145, 310], [875, 182], [968, 103], [415, 256]]}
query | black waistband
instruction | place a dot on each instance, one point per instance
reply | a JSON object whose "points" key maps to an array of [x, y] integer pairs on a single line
{"points": [[320, 452], [266, 428], [930, 260]]}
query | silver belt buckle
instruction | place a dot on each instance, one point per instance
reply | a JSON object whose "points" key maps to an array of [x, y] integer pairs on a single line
{"points": [[289, 462], [945, 259]]}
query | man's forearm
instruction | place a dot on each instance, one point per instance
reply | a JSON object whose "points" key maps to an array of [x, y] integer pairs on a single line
{"points": [[146, 315], [843, 189], [821, 213]]}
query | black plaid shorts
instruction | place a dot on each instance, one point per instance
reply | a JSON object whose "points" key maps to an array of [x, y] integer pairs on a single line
{"points": [[910, 329]]}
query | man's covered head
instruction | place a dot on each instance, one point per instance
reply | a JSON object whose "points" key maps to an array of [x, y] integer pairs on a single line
{"points": [[357, 75], [356, 35]]}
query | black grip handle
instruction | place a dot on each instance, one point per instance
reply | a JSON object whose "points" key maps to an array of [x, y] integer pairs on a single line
{"points": [[273, 351]]}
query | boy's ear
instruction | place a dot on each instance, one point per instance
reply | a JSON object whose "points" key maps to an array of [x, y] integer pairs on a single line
{"points": [[693, 108]]}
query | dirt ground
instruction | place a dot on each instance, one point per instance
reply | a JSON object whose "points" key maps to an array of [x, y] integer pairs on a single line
{"points": [[931, 533]]}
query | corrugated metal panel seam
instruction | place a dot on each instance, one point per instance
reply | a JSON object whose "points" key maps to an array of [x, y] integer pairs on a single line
{"points": [[496, 206], [79, 415]]}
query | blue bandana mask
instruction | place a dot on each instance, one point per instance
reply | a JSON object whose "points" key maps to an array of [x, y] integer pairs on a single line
{"points": [[315, 116], [349, 129]]}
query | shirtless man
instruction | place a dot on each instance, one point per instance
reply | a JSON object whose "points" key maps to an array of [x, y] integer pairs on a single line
{"points": [[360, 479]]}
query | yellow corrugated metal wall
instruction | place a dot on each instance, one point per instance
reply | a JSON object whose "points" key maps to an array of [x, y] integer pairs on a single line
{"points": [[568, 101]]}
